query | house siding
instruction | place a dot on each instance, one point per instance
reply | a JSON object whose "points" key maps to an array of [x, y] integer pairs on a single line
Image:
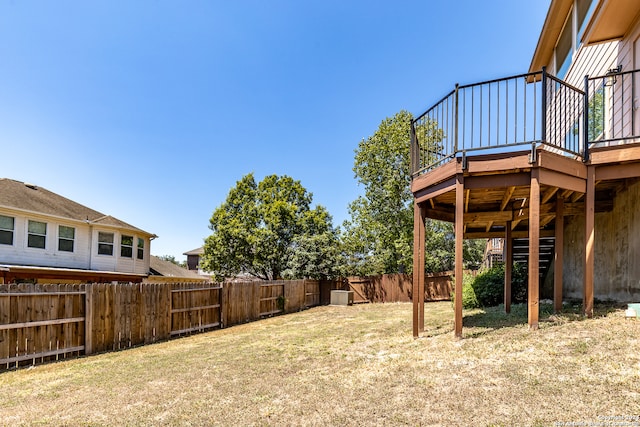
{"points": [[116, 262], [594, 60], [617, 251], [20, 253], [85, 249]]}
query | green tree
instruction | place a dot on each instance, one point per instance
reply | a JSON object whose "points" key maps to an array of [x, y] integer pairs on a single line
{"points": [[379, 237], [259, 228]]}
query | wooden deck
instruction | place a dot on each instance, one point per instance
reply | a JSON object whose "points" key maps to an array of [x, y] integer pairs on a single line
{"points": [[523, 194]]}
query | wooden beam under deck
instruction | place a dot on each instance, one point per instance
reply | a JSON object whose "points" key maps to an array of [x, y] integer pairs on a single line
{"points": [[504, 180], [508, 266], [560, 180], [587, 303], [418, 255], [620, 171], [459, 227], [434, 190], [558, 256], [517, 234], [498, 162], [534, 250], [561, 164], [443, 173], [507, 197], [614, 154]]}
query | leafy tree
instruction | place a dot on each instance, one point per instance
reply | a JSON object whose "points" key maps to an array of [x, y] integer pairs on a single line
{"points": [[260, 227], [379, 237]]}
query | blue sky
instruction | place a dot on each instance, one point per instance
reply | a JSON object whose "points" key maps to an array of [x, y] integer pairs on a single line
{"points": [[151, 110]]}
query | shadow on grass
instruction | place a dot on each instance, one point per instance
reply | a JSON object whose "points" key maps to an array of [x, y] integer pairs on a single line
{"points": [[482, 321]]}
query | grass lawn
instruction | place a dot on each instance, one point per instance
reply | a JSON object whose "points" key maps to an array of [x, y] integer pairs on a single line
{"points": [[351, 366]]}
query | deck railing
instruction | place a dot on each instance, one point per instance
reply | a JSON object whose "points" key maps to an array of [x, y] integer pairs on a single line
{"points": [[611, 108], [497, 116]]}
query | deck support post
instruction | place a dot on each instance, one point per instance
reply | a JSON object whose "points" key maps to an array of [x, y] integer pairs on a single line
{"points": [[418, 269], [508, 267], [459, 235], [558, 256], [421, 260], [587, 302], [534, 249]]}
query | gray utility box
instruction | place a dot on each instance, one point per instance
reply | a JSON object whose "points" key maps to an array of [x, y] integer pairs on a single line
{"points": [[341, 297]]}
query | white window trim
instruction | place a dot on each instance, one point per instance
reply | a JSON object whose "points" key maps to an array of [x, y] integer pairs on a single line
{"points": [[29, 233], [73, 241], [112, 244], [12, 231]]}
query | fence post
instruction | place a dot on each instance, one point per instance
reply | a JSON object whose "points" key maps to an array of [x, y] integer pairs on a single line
{"points": [[88, 319], [224, 301], [585, 149]]}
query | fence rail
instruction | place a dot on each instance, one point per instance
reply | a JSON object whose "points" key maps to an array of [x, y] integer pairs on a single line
{"points": [[41, 323], [399, 287]]}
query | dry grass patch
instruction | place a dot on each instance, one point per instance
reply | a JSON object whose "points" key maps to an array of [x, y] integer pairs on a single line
{"points": [[349, 366]]}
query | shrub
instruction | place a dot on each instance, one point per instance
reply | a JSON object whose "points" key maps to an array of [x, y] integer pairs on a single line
{"points": [[487, 288], [469, 299]]}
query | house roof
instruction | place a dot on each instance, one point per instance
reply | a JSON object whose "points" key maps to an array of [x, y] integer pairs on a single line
{"points": [[611, 20], [197, 251], [12, 272], [31, 198], [164, 268]]}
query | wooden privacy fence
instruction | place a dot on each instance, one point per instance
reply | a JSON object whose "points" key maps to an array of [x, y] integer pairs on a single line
{"points": [[46, 322], [249, 301], [40, 322], [399, 287]]}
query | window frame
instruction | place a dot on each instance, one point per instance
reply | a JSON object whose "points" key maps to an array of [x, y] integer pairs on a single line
{"points": [[9, 231], [576, 28], [35, 236], [105, 244], [126, 250], [140, 251], [66, 239]]}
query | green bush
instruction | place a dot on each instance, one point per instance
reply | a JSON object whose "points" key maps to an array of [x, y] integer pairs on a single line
{"points": [[469, 299], [487, 288]]}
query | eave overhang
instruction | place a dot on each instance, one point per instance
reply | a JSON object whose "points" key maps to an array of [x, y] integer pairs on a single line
{"points": [[612, 20], [556, 17]]}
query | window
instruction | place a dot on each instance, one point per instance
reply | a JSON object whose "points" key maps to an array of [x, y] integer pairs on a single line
{"points": [[140, 248], [563, 49], [571, 35], [66, 237], [37, 235], [584, 11], [126, 246], [6, 230], [105, 243]]}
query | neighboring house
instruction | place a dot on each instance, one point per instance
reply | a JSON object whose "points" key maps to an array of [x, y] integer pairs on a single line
{"points": [[161, 271], [550, 157], [193, 259], [46, 236], [193, 264]]}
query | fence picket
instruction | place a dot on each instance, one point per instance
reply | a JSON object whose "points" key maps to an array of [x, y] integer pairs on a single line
{"points": [[43, 322]]}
